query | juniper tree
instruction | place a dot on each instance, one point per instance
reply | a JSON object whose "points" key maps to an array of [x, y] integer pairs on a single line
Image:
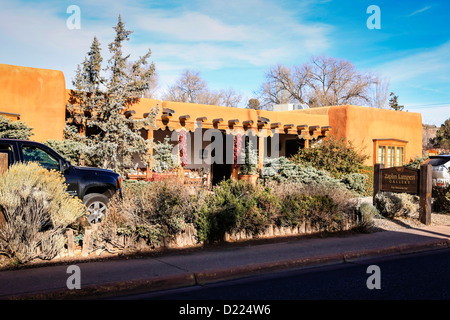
{"points": [[86, 97], [14, 129], [442, 139], [393, 103], [113, 137]]}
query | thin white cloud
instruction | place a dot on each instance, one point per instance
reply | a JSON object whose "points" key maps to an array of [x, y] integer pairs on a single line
{"points": [[430, 63], [419, 11], [420, 78]]}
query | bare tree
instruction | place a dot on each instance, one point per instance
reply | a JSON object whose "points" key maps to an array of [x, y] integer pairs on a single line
{"points": [[230, 98], [380, 93], [190, 87], [187, 88], [323, 81]]}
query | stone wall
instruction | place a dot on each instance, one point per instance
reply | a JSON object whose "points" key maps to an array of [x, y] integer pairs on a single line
{"points": [[188, 238]]}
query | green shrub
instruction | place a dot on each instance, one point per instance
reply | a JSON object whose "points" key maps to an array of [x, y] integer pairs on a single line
{"points": [[369, 172], [151, 210], [249, 160], [37, 211], [392, 205], [297, 208], [163, 160], [415, 164], [332, 155], [356, 182], [147, 211], [235, 206], [367, 212], [283, 170], [325, 205], [10, 129]]}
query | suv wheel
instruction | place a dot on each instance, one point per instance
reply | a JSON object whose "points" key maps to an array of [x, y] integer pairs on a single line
{"points": [[97, 206]]}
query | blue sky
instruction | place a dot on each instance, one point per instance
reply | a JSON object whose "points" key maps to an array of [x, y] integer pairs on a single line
{"points": [[232, 43]]}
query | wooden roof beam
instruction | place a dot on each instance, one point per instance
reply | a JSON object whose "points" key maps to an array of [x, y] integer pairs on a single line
{"points": [[263, 121], [275, 125], [168, 111], [315, 131], [326, 130], [129, 113], [288, 126], [185, 117], [201, 119], [247, 123]]}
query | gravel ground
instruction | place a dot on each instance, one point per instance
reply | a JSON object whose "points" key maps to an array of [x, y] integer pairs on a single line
{"points": [[381, 224], [410, 222]]}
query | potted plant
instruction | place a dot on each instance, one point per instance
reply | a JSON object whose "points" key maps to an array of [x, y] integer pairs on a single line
{"points": [[248, 171]]}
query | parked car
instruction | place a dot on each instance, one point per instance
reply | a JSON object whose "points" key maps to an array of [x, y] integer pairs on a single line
{"points": [[93, 186], [441, 169]]}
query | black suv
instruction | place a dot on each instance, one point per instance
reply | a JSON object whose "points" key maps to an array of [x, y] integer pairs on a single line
{"points": [[94, 186]]}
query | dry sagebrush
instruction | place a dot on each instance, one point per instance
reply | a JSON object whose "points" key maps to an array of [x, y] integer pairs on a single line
{"points": [[37, 211]]}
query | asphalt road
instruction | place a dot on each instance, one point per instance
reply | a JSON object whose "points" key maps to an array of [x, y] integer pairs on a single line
{"points": [[423, 276]]}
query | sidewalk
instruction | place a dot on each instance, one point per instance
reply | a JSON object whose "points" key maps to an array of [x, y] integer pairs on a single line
{"points": [[206, 265]]}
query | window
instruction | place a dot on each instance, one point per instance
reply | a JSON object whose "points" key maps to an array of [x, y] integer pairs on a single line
{"points": [[400, 155], [390, 152], [391, 157], [381, 154], [34, 154]]}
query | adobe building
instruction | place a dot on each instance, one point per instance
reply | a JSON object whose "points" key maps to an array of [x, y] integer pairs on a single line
{"points": [[38, 97]]}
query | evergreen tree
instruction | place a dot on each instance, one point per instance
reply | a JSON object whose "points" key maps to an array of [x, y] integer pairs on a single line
{"points": [[14, 129], [442, 139], [87, 96], [112, 136], [393, 103]]}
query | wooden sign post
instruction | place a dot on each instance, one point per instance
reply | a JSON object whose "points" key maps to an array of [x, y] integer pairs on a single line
{"points": [[425, 193], [3, 163], [406, 180]]}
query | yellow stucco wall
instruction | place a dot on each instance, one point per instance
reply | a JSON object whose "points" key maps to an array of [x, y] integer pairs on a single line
{"points": [[38, 95], [361, 125]]}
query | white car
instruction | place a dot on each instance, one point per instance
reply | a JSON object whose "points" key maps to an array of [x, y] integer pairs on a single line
{"points": [[441, 169]]}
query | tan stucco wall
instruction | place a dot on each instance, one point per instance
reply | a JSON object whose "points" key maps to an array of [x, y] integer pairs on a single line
{"points": [[361, 125], [38, 95]]}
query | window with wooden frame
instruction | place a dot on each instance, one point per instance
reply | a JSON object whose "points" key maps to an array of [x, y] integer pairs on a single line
{"points": [[390, 152]]}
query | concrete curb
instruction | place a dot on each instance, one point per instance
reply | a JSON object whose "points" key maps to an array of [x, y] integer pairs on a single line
{"points": [[104, 291]]}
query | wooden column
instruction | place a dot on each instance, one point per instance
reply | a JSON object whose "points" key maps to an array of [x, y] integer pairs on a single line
{"points": [[261, 151], [150, 154], [306, 143], [377, 179], [425, 187], [70, 243]]}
